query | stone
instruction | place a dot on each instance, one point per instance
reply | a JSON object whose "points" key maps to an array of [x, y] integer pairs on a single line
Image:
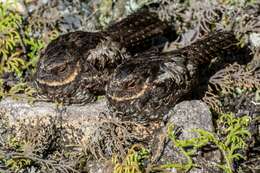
{"points": [[254, 39], [89, 128], [100, 167], [190, 115], [87, 118], [41, 109]]}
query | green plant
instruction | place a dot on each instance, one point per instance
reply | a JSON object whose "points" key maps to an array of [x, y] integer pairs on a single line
{"points": [[35, 45], [181, 145], [19, 51], [9, 39], [18, 88], [236, 133], [230, 138], [133, 162], [14, 162]]}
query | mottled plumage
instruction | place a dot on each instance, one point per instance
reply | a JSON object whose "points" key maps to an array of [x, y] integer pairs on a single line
{"points": [[76, 66], [146, 87]]}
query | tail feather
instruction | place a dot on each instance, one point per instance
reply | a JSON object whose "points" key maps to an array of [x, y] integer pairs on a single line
{"points": [[214, 45], [138, 30]]}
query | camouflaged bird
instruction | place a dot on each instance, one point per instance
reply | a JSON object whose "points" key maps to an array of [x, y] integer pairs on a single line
{"points": [[76, 66], [144, 88]]}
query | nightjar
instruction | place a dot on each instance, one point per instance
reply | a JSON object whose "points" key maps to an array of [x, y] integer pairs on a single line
{"points": [[144, 88], [75, 67]]}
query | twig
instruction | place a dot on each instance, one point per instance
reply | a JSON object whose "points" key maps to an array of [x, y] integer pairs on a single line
{"points": [[21, 37]]}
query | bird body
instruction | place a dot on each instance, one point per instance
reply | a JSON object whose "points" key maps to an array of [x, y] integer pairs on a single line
{"points": [[144, 88], [75, 67]]}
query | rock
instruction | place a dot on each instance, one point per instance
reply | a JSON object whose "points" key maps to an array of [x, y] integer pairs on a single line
{"points": [[254, 39], [42, 109], [98, 167], [190, 115], [89, 131], [42, 122]]}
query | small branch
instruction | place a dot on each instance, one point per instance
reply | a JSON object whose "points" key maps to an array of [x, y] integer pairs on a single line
{"points": [[21, 37]]}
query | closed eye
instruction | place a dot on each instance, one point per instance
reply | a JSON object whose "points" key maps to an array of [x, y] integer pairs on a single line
{"points": [[59, 69], [62, 68], [132, 84]]}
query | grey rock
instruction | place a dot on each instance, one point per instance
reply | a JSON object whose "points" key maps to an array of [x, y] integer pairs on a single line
{"points": [[190, 115], [87, 127], [254, 39], [86, 118], [100, 167], [21, 109]]}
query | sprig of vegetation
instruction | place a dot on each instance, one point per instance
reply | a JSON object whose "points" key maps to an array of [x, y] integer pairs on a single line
{"points": [[133, 162], [12, 162], [18, 88], [223, 84], [230, 139], [236, 133], [9, 25], [35, 45], [19, 51], [181, 145]]}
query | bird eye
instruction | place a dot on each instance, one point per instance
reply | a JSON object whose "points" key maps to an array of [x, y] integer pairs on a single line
{"points": [[58, 69], [62, 68], [131, 84]]}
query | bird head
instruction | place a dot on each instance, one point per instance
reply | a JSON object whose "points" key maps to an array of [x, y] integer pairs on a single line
{"points": [[142, 89]]}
